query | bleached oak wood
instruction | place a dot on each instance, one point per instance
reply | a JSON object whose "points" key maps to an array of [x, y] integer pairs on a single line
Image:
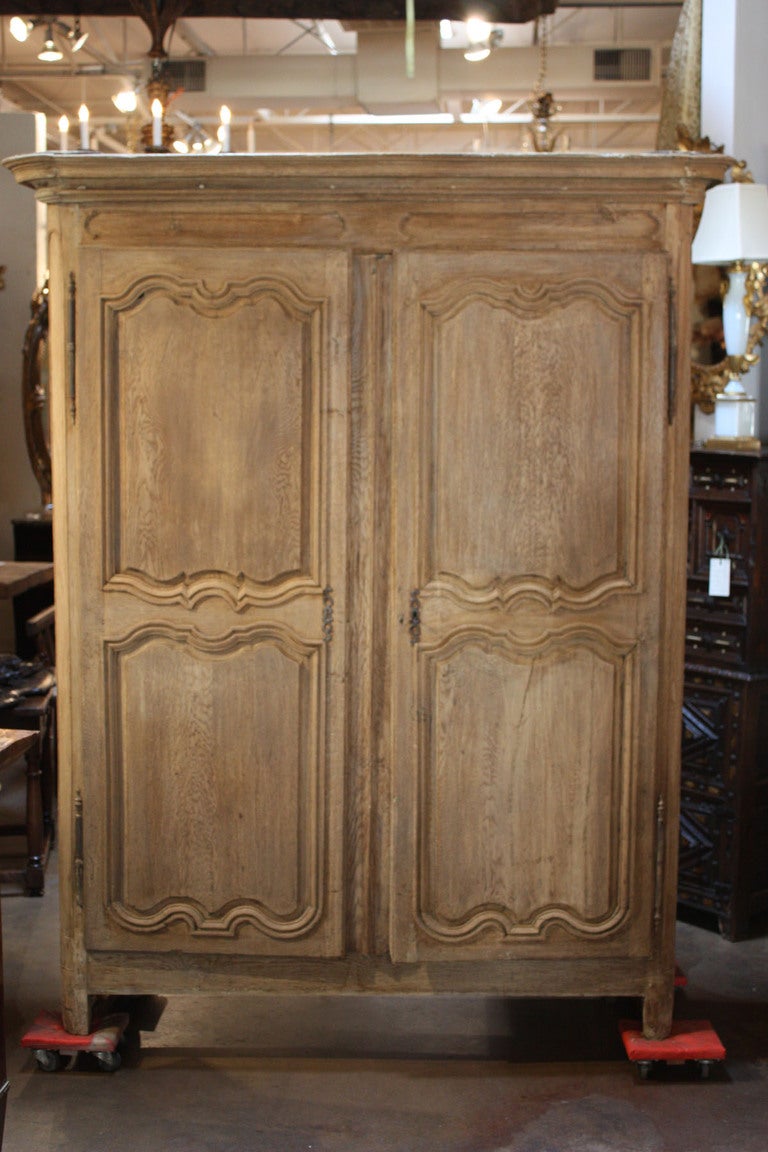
{"points": [[370, 538]]}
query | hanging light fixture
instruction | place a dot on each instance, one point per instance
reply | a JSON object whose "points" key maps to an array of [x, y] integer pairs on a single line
{"points": [[126, 100], [196, 141], [20, 28], [74, 37], [542, 103], [77, 36], [50, 54], [482, 39]]}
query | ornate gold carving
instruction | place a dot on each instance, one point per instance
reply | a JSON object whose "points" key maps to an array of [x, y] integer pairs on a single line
{"points": [[707, 380], [686, 142], [34, 388], [681, 96]]}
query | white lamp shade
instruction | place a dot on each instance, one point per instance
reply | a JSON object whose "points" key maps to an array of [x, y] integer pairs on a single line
{"points": [[734, 225]]}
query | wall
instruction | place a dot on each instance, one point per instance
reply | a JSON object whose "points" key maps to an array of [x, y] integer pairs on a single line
{"points": [[734, 92], [19, 492]]}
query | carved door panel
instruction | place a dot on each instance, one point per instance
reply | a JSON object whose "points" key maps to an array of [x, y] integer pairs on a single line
{"points": [[531, 412], [211, 398]]}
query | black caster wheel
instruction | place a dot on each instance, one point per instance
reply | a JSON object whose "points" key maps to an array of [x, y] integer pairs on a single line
{"points": [[49, 1060], [109, 1061], [644, 1068]]}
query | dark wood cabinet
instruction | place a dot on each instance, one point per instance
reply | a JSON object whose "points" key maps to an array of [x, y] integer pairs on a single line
{"points": [[32, 540], [724, 811], [33, 537], [3, 1071], [13, 744]]}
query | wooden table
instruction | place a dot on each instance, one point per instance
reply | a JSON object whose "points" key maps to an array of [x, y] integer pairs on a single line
{"points": [[24, 582], [17, 576], [13, 743]]}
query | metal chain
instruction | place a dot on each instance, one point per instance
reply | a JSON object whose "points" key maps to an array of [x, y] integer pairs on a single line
{"points": [[541, 35]]}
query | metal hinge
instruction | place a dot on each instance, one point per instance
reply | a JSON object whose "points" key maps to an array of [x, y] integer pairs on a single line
{"points": [[327, 615], [414, 620], [672, 354], [661, 823], [79, 860], [72, 347]]}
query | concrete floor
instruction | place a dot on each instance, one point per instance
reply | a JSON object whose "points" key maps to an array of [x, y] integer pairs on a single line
{"points": [[389, 1074]]}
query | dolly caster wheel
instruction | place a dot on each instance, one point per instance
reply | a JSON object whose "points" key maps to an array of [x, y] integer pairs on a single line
{"points": [[48, 1060], [109, 1061]]}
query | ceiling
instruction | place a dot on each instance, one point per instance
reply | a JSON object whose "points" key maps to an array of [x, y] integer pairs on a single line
{"points": [[323, 83]]}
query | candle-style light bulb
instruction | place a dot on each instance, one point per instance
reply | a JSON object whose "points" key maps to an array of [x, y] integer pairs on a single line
{"points": [[63, 132], [157, 123], [224, 132], [83, 116]]}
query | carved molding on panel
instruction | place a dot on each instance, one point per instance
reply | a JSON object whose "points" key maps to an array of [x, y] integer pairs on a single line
{"points": [[541, 230], [610, 648], [213, 300], [502, 595], [278, 633], [570, 637], [210, 301], [223, 923], [226, 921], [492, 917], [537, 299], [189, 590], [109, 228], [502, 922]]}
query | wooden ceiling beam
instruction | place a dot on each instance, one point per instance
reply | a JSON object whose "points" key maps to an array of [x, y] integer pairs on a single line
{"points": [[495, 11], [160, 15]]}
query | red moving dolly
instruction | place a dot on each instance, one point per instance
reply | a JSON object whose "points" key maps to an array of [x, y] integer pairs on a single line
{"points": [[688, 1040], [52, 1045]]}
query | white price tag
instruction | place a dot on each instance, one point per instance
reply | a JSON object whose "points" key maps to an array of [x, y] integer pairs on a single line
{"points": [[719, 576]]}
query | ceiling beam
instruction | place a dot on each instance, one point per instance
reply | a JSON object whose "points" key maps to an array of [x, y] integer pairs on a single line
{"points": [[499, 11]]}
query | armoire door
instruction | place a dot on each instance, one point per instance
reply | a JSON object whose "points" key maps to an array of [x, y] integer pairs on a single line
{"points": [[531, 407], [208, 604]]}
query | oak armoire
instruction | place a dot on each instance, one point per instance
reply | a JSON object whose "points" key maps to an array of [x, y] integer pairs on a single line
{"points": [[370, 530]]}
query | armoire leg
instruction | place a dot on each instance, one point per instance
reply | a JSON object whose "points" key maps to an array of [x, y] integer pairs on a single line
{"points": [[658, 1005]]}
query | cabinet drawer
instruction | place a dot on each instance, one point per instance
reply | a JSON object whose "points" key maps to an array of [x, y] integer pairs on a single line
{"points": [[720, 530], [722, 478], [714, 610], [724, 643]]}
